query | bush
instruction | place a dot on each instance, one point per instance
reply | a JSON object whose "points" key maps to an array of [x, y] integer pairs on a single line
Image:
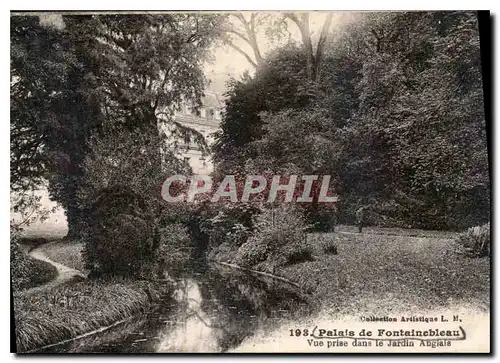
{"points": [[224, 228], [227, 223], [322, 218], [252, 252], [27, 272], [476, 240], [274, 229], [121, 202], [330, 248], [121, 237], [303, 254]]}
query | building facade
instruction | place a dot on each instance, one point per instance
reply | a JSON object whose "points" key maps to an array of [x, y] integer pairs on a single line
{"points": [[206, 121]]}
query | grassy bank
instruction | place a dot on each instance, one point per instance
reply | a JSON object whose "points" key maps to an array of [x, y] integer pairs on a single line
{"points": [[67, 311], [27, 272], [382, 272]]}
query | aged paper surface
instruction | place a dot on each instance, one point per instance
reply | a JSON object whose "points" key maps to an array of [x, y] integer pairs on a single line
{"points": [[241, 182]]}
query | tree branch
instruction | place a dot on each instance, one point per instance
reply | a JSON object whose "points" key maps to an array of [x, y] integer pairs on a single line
{"points": [[242, 36], [241, 51], [251, 38]]}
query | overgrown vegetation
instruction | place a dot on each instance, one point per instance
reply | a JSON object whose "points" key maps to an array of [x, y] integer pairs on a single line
{"points": [[121, 239], [67, 311], [391, 107], [122, 205], [27, 272], [330, 248], [377, 118], [175, 251], [227, 223], [303, 254], [112, 85]]}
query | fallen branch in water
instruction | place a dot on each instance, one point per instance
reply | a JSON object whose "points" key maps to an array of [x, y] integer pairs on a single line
{"points": [[259, 273]]}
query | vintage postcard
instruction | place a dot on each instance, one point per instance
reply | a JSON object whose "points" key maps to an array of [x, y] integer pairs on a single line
{"points": [[250, 182]]}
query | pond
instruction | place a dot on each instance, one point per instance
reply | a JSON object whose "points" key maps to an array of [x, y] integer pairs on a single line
{"points": [[211, 311]]}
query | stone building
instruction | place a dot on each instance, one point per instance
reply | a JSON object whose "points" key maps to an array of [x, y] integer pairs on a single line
{"points": [[206, 121]]}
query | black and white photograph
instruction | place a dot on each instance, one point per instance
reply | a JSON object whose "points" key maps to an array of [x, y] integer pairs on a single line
{"points": [[250, 181]]}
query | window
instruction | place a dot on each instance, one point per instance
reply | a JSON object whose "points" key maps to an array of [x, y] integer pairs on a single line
{"points": [[187, 139], [186, 159]]}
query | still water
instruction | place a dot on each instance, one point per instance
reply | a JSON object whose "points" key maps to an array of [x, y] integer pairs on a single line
{"points": [[211, 311]]}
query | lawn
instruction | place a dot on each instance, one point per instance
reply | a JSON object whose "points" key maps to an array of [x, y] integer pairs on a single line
{"points": [[381, 272], [68, 253], [390, 273]]}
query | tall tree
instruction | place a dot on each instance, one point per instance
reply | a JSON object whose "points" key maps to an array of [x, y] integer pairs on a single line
{"points": [[252, 28], [126, 71], [399, 115], [52, 106], [276, 85], [314, 57]]}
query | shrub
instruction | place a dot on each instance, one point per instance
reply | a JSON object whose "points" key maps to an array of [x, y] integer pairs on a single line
{"points": [[227, 223], [252, 252], [322, 218], [121, 201], [27, 272], [476, 240], [330, 248], [303, 254], [120, 238], [274, 229], [224, 228]]}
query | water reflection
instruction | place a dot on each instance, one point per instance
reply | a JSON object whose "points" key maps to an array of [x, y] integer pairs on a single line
{"points": [[193, 330], [211, 311]]}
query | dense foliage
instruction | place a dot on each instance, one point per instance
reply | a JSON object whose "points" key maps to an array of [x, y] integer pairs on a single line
{"points": [[396, 115], [93, 99], [120, 238], [95, 75]]}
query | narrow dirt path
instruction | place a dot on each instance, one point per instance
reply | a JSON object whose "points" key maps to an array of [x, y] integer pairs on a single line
{"points": [[65, 273]]}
